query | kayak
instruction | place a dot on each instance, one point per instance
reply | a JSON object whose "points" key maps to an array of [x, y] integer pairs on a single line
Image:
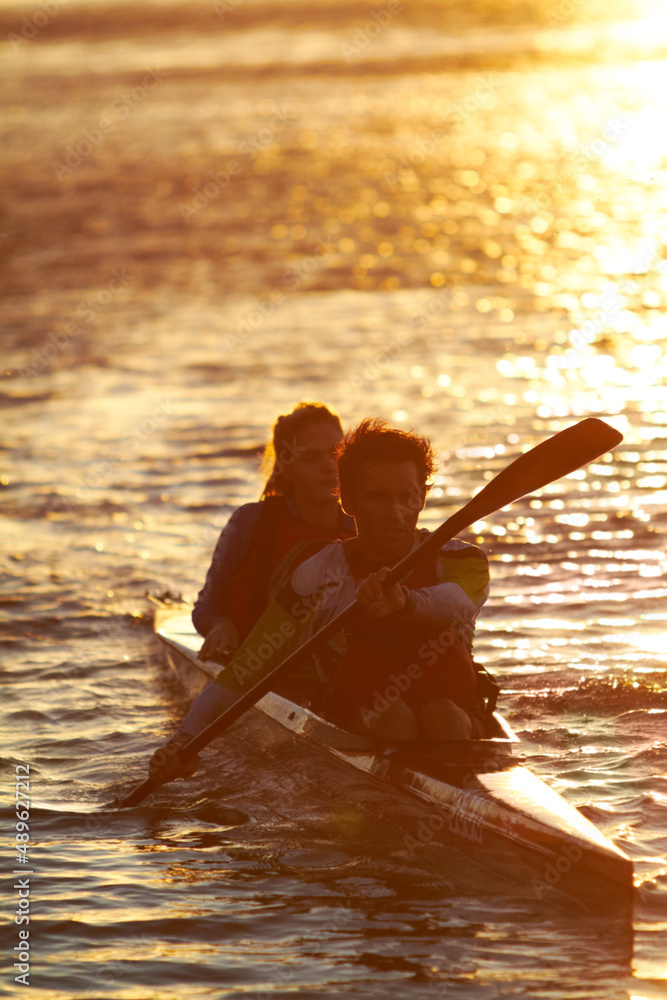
{"points": [[477, 796]]}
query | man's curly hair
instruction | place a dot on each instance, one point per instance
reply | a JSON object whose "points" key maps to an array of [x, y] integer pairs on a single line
{"points": [[375, 441]]}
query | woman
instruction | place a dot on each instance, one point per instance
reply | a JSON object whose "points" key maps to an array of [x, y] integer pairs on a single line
{"points": [[298, 513], [261, 545]]}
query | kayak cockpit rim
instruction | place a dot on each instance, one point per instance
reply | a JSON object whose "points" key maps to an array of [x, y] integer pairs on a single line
{"points": [[174, 628]]}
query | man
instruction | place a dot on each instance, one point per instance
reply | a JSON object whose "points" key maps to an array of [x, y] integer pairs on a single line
{"points": [[406, 670]]}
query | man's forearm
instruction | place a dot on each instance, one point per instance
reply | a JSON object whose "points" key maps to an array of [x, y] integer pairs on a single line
{"points": [[446, 602]]}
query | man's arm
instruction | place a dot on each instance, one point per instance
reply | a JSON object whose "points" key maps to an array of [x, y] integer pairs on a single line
{"points": [[463, 572]]}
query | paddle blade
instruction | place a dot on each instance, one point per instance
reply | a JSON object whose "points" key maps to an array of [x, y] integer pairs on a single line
{"points": [[556, 457], [552, 459]]}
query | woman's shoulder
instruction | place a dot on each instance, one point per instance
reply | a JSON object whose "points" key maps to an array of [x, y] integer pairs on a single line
{"points": [[246, 515], [275, 505], [242, 522]]}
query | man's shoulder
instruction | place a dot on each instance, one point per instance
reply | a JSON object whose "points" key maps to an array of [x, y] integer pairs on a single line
{"points": [[327, 565], [457, 548], [465, 564]]}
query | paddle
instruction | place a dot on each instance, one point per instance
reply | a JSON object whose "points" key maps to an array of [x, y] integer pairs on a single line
{"points": [[556, 457]]}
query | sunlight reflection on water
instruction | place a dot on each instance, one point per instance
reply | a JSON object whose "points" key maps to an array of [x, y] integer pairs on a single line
{"points": [[465, 236]]}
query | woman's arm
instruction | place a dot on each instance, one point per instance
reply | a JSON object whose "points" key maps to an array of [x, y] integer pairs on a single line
{"points": [[230, 551]]}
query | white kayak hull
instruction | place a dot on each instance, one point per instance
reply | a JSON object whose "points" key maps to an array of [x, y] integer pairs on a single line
{"points": [[477, 794]]}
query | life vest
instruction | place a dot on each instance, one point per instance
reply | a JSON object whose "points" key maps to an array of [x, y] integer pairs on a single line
{"points": [[280, 542], [394, 657]]}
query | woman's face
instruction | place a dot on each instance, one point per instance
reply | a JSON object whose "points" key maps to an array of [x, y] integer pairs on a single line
{"points": [[308, 462]]}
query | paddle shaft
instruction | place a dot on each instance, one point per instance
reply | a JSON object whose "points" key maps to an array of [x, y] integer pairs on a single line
{"points": [[556, 457]]}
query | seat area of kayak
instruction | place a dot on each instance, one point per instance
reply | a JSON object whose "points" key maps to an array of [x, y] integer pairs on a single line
{"points": [[175, 626]]}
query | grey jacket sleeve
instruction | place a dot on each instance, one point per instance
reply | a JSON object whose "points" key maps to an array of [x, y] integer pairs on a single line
{"points": [[206, 707], [230, 551]]}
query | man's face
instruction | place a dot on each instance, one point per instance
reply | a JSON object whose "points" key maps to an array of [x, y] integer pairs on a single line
{"points": [[386, 505]]}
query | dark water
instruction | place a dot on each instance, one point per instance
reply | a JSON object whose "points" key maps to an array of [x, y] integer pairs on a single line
{"points": [[455, 221]]}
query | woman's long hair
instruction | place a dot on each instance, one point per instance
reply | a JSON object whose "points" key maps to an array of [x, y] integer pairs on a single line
{"points": [[281, 450]]}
